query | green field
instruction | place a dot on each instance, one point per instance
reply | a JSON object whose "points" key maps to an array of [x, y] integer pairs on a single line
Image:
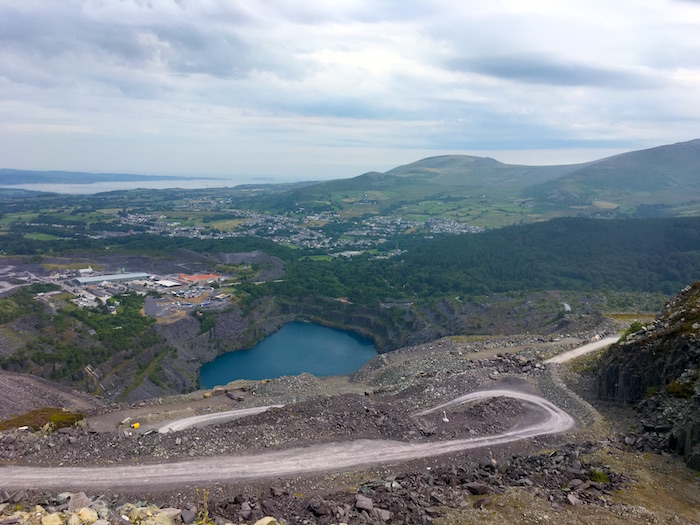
{"points": [[41, 237]]}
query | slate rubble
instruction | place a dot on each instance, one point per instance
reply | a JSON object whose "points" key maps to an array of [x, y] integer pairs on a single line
{"points": [[561, 476]]}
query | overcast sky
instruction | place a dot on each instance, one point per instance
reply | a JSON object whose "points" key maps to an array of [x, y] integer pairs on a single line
{"points": [[314, 89]]}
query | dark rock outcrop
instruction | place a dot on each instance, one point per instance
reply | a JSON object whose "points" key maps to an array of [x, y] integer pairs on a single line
{"points": [[658, 368]]}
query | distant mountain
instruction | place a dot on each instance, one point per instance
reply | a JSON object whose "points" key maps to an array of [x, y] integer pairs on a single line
{"points": [[11, 177], [654, 182], [477, 172], [449, 172], [665, 174]]}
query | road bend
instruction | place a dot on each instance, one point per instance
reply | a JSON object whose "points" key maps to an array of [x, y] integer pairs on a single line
{"points": [[286, 463]]}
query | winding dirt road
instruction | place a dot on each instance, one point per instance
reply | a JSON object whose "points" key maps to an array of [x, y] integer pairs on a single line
{"points": [[291, 462]]}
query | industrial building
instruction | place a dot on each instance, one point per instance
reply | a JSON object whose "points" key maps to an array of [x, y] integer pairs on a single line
{"points": [[193, 279], [167, 283], [114, 278]]}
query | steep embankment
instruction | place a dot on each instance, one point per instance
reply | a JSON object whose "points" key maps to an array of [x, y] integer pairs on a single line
{"points": [[659, 367]]}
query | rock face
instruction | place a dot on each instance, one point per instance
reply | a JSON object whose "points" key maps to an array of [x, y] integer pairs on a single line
{"points": [[658, 367]]}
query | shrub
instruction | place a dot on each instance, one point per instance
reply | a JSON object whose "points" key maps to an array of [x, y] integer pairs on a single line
{"points": [[682, 390], [599, 476], [635, 327]]}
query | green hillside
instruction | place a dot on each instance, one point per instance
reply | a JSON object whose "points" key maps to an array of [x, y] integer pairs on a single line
{"points": [[468, 189], [474, 173], [658, 181], [668, 175]]}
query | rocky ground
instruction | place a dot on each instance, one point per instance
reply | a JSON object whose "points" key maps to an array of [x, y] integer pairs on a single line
{"points": [[599, 472], [22, 393]]}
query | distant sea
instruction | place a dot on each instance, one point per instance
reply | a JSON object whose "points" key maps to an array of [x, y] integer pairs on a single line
{"points": [[99, 187]]}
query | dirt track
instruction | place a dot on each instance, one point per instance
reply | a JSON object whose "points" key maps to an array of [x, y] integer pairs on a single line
{"points": [[583, 350], [211, 419], [295, 461]]}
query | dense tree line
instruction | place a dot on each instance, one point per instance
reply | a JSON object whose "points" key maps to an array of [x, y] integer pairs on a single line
{"points": [[659, 255], [655, 255]]}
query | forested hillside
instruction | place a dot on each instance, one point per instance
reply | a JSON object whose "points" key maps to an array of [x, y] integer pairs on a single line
{"points": [[654, 255]]}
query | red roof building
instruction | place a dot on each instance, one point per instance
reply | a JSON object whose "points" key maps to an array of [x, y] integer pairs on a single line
{"points": [[193, 279]]}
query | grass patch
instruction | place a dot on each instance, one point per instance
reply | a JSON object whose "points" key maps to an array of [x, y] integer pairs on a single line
{"points": [[63, 296], [37, 419], [586, 364], [599, 476], [227, 224], [681, 390], [71, 266], [631, 317], [41, 237]]}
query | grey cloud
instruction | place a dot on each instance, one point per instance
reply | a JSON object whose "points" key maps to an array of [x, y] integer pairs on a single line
{"points": [[189, 49], [223, 54], [56, 39], [540, 69]]}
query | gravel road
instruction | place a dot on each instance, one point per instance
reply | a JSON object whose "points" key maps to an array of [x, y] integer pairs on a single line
{"points": [[291, 462], [211, 419], [583, 350]]}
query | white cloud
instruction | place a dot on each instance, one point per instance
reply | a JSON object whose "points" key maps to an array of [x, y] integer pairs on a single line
{"points": [[335, 88]]}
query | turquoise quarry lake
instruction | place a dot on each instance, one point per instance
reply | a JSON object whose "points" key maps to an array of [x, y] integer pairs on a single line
{"points": [[295, 348]]}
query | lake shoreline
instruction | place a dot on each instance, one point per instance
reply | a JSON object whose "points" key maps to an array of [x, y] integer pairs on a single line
{"points": [[297, 347]]}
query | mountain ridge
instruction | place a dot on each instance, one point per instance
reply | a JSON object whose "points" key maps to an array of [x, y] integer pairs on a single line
{"points": [[660, 181], [670, 169]]}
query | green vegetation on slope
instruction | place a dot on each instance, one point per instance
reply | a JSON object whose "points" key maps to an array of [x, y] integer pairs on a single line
{"points": [[22, 302], [665, 174], [152, 245], [37, 419], [655, 255], [127, 332], [658, 181]]}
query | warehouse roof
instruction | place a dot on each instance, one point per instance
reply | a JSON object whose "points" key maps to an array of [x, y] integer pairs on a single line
{"points": [[114, 277]]}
